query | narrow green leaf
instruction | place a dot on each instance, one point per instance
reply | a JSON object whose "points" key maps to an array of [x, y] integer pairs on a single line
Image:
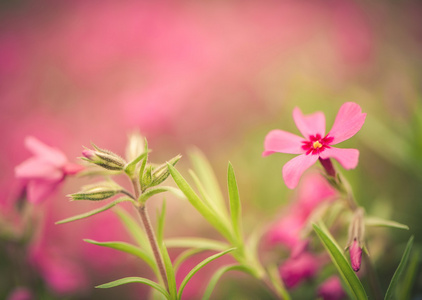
{"points": [[135, 280], [184, 256], [207, 176], [217, 275], [196, 202], [193, 242], [160, 189], [161, 221], [133, 228], [375, 221], [348, 275], [197, 268], [235, 205], [96, 211], [207, 199], [171, 277], [399, 271], [130, 249], [277, 283], [410, 276], [130, 167]]}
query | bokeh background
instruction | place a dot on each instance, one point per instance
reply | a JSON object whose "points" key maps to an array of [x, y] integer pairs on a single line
{"points": [[217, 75]]}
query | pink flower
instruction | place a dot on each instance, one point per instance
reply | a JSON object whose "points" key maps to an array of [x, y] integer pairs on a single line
{"points": [[316, 144], [44, 171], [20, 293], [331, 289], [295, 270]]}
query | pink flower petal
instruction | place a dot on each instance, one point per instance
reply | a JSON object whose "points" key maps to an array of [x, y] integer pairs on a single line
{"points": [[348, 158], [310, 124], [282, 141], [349, 121], [39, 190], [49, 154], [37, 168], [295, 167]]}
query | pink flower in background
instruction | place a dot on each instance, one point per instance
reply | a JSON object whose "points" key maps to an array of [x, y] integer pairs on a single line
{"points": [[295, 270], [331, 289], [20, 293], [316, 145], [44, 171], [313, 191]]}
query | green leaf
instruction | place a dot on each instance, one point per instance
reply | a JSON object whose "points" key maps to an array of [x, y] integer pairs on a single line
{"points": [[206, 175], [171, 277], [399, 271], [235, 205], [197, 203], [197, 268], [156, 190], [184, 256], [130, 249], [348, 275], [217, 275], [410, 276], [135, 280], [277, 283], [199, 243], [133, 228], [96, 211], [375, 221], [130, 167]]}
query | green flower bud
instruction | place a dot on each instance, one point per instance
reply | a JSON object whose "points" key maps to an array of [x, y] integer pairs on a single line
{"points": [[104, 158], [98, 191]]}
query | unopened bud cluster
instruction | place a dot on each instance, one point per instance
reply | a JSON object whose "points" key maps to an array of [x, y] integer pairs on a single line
{"points": [[104, 158], [356, 239], [153, 176]]}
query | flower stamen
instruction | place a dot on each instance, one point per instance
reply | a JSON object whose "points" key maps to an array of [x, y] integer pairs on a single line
{"points": [[317, 145]]}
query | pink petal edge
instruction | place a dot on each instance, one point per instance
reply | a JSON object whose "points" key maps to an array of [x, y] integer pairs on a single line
{"points": [[348, 122], [309, 124], [294, 168], [348, 158], [283, 142], [48, 153]]}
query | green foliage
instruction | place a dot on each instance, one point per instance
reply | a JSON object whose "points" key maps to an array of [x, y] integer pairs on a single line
{"points": [[390, 294], [96, 211], [135, 280], [351, 281]]}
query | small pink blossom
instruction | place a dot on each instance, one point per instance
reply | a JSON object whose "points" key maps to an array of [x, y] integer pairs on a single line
{"points": [[20, 293], [44, 171], [316, 144], [331, 289], [295, 270], [355, 255]]}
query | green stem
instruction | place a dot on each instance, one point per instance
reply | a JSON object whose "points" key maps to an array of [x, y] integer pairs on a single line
{"points": [[150, 233]]}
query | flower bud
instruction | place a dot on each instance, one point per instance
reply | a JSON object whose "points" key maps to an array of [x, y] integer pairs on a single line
{"points": [[356, 239], [355, 256], [104, 158], [161, 172], [98, 191], [135, 146]]}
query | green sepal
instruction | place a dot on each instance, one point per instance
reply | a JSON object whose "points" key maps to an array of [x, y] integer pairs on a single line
{"points": [[131, 167]]}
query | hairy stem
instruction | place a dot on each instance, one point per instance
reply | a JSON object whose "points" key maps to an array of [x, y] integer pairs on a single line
{"points": [[150, 233]]}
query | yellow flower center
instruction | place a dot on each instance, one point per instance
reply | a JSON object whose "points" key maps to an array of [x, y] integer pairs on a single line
{"points": [[317, 145]]}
